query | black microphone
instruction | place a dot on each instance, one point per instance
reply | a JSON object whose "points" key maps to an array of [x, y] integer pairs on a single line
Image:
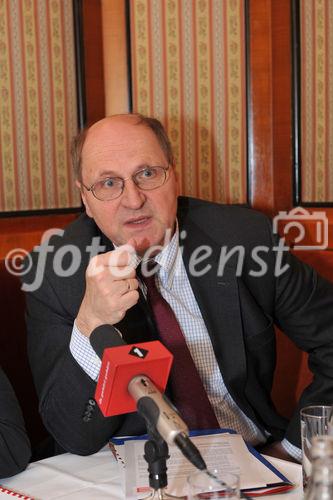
{"points": [[158, 412], [105, 336]]}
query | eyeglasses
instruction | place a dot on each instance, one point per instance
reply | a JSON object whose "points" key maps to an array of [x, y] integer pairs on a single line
{"points": [[147, 179]]}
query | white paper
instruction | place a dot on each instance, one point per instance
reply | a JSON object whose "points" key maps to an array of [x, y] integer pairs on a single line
{"points": [[223, 452]]}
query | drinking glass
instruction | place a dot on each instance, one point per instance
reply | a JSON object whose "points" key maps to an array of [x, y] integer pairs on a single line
{"points": [[314, 422], [215, 486]]}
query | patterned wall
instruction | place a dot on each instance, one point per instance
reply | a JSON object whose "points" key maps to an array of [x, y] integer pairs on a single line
{"points": [[188, 69], [316, 21], [38, 114]]}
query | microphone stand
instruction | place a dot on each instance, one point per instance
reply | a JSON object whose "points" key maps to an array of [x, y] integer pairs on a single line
{"points": [[156, 455]]}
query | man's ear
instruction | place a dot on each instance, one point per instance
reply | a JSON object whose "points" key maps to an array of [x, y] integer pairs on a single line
{"points": [[176, 179], [83, 197]]}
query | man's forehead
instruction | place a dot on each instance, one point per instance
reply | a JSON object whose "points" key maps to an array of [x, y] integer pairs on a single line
{"points": [[119, 140], [113, 129]]}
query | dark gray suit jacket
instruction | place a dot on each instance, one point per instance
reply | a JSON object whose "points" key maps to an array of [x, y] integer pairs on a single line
{"points": [[14, 443], [238, 307]]}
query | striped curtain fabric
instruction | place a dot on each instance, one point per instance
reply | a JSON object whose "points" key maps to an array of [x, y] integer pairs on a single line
{"points": [[188, 70], [38, 106], [316, 22]]}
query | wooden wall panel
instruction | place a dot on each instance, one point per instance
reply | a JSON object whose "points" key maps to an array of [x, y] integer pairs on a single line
{"points": [[20, 234], [269, 102], [93, 60], [115, 57]]}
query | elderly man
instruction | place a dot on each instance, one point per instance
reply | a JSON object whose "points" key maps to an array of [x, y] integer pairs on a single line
{"points": [[223, 296]]}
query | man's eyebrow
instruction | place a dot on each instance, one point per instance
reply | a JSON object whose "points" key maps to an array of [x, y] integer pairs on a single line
{"points": [[111, 173], [108, 173]]}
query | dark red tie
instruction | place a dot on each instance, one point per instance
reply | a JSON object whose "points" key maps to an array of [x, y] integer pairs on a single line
{"points": [[188, 393]]}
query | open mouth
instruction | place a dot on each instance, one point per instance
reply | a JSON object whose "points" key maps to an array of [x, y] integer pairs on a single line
{"points": [[139, 221]]}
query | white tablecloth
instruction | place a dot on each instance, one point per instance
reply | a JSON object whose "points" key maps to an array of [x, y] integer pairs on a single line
{"points": [[98, 476]]}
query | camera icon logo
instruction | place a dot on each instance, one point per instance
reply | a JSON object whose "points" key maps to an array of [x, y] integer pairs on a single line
{"points": [[311, 228]]}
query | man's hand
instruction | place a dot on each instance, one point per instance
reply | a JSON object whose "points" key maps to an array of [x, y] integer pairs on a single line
{"points": [[111, 289], [276, 450]]}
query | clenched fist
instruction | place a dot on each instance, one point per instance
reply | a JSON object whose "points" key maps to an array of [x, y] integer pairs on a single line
{"points": [[111, 288]]}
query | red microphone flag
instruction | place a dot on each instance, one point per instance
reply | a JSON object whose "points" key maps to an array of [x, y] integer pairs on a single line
{"points": [[120, 364]]}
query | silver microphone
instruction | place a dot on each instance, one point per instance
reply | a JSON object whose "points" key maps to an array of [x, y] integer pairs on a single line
{"points": [[159, 412]]}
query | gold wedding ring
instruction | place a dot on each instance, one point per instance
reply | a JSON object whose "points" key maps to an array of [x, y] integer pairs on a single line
{"points": [[130, 286]]}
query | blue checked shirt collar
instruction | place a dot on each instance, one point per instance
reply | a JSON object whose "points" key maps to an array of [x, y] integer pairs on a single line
{"points": [[169, 260]]}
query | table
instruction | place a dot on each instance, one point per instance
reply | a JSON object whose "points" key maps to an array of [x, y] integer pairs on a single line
{"points": [[98, 476]]}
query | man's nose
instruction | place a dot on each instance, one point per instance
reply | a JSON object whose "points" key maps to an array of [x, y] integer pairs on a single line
{"points": [[132, 196]]}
